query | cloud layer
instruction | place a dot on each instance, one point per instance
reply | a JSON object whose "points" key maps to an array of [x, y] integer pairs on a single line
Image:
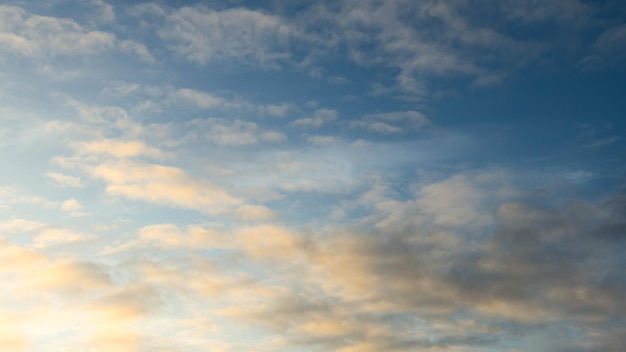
{"points": [[346, 176]]}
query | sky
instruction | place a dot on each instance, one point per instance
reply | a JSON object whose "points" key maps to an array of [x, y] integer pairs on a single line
{"points": [[302, 176]]}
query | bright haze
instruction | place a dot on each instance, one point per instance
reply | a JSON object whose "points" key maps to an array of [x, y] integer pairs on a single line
{"points": [[304, 176]]}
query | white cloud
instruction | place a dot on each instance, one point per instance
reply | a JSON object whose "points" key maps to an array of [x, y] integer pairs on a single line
{"points": [[71, 205], [54, 236], [320, 117], [20, 226], [322, 140], [11, 195], [138, 49], [392, 122], [203, 35], [118, 149], [164, 185], [232, 133], [105, 11], [255, 213], [65, 180], [199, 99], [40, 37], [276, 110]]}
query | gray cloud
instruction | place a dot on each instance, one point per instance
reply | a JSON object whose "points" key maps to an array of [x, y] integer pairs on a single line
{"points": [[537, 266]]}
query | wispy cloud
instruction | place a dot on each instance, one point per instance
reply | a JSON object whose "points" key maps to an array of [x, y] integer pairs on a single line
{"points": [[392, 122], [35, 36], [203, 35], [200, 177], [320, 117]]}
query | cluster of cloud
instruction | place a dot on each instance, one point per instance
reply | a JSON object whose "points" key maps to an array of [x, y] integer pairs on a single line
{"points": [[392, 122], [416, 41], [273, 226], [41, 37], [419, 40], [452, 268]]}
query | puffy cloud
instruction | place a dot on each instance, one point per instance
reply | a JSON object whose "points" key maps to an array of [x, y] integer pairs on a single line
{"points": [[71, 205], [162, 185]]}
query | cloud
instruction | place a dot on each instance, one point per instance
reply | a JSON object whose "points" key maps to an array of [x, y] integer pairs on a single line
{"points": [[570, 12], [199, 99], [332, 243], [118, 149], [487, 81], [58, 297], [232, 133], [164, 185], [255, 213], [11, 195], [106, 12], [501, 269], [71, 205], [44, 234], [276, 110], [392, 122], [73, 208], [439, 278], [65, 180], [322, 140], [41, 37], [137, 49], [320, 117], [34, 35], [203, 35], [609, 50]]}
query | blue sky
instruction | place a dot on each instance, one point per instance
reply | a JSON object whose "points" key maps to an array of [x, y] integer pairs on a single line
{"points": [[346, 176]]}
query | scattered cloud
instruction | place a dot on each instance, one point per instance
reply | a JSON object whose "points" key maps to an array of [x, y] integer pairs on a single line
{"points": [[164, 185], [233, 133], [320, 117], [609, 50], [119, 149], [71, 205], [66, 180], [39, 37], [11, 195], [203, 35], [392, 122], [199, 99], [265, 178], [255, 213]]}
